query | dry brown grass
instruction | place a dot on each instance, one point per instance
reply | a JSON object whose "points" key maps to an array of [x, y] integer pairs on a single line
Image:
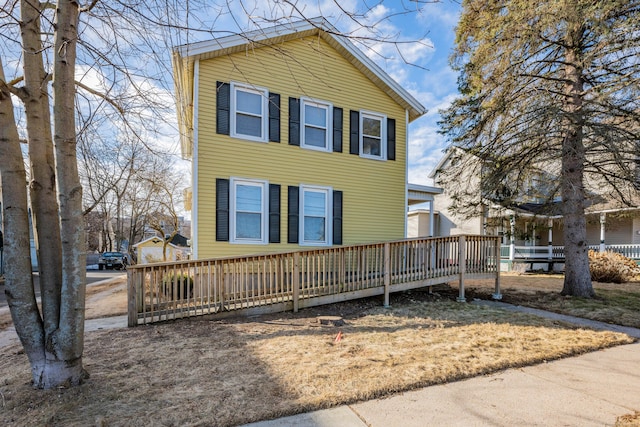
{"points": [[228, 372], [630, 420], [617, 303]]}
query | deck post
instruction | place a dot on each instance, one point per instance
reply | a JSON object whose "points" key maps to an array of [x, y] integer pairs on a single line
{"points": [[387, 273], [296, 281], [462, 265], [132, 293], [497, 295]]}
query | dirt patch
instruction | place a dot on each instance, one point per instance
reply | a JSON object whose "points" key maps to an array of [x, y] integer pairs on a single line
{"points": [[102, 300], [108, 299]]}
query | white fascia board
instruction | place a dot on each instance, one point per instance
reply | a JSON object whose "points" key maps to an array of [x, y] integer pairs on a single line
{"points": [[199, 48], [381, 74], [425, 189], [441, 163], [319, 24]]}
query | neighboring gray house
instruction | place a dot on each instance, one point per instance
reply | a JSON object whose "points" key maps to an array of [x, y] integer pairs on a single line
{"points": [[528, 231]]}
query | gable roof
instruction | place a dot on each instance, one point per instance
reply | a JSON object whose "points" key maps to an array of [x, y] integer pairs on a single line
{"points": [[185, 56], [154, 240]]}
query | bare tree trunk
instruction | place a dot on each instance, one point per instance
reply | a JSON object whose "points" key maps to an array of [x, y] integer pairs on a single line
{"points": [[44, 205], [17, 252], [577, 279], [66, 344]]}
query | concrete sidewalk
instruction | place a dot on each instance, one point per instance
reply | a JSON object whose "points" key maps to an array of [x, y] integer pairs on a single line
{"points": [[589, 390]]}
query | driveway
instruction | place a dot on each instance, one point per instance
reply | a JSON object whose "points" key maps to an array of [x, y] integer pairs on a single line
{"points": [[93, 276]]}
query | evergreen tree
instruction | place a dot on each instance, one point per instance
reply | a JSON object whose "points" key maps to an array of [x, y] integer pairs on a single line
{"points": [[553, 87]]}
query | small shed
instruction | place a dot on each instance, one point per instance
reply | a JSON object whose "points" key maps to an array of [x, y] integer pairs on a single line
{"points": [[150, 250]]}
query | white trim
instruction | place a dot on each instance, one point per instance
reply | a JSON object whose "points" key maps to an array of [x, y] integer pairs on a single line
{"points": [[328, 107], [424, 188], [264, 117], [407, 186], [383, 135], [194, 162], [264, 212], [328, 228]]}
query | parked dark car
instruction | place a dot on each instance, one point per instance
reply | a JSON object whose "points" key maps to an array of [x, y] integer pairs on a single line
{"points": [[112, 260]]}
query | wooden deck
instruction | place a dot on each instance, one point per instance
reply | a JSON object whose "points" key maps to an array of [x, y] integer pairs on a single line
{"points": [[293, 280]]}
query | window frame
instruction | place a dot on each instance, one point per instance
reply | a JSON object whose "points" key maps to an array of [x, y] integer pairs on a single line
{"points": [[264, 117], [264, 212], [328, 227], [328, 107], [382, 118]]}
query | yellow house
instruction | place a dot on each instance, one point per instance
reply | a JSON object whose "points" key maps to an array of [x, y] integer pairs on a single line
{"points": [[297, 141]]}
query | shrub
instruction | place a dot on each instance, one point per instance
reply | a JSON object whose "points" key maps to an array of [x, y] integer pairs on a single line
{"points": [[182, 284], [611, 267]]}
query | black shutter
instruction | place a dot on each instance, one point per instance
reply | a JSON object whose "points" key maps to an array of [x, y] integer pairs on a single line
{"points": [[391, 139], [337, 130], [354, 132], [294, 121], [274, 117], [293, 215], [337, 217], [223, 102], [274, 213], [222, 210]]}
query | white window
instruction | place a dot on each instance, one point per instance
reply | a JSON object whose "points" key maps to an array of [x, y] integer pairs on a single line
{"points": [[315, 215], [373, 135], [248, 210], [316, 125], [249, 112]]}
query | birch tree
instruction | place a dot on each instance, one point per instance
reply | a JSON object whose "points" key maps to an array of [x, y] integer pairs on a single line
{"points": [[550, 88], [52, 341]]}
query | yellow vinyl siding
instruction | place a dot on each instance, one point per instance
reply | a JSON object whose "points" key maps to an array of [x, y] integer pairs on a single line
{"points": [[373, 191]]}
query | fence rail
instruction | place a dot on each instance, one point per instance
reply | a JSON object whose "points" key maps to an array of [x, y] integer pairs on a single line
{"points": [[292, 280], [557, 252]]}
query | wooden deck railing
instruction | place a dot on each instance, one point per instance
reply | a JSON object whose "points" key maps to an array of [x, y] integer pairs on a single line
{"points": [[292, 280], [557, 252]]}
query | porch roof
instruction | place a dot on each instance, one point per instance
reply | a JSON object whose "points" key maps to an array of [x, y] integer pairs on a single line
{"points": [[421, 193]]}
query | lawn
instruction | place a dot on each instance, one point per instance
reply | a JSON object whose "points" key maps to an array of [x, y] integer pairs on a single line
{"points": [[614, 303], [234, 371]]}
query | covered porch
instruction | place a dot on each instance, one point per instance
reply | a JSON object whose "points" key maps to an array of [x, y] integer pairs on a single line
{"points": [[536, 241]]}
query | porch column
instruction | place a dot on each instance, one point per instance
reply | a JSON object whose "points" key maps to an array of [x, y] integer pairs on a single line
{"points": [[603, 220], [485, 215], [512, 241], [550, 225], [431, 216]]}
